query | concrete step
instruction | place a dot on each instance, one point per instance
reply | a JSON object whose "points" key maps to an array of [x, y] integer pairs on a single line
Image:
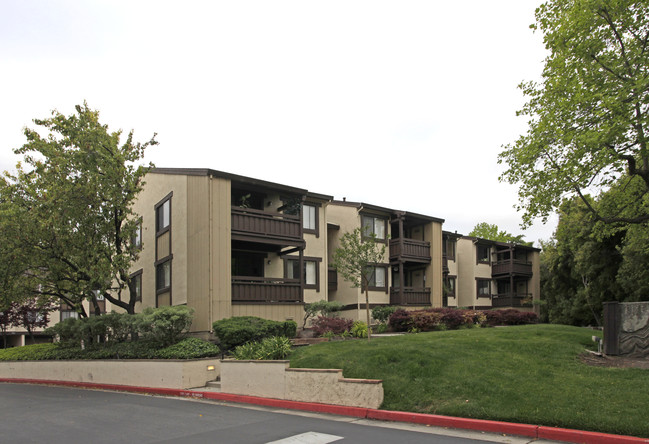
{"points": [[213, 384], [307, 341]]}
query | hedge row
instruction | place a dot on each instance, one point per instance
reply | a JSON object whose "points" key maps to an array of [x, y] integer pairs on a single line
{"points": [[189, 348], [163, 325], [452, 318]]}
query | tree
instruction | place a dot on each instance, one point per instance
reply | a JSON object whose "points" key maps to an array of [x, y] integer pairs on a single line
{"points": [[579, 268], [72, 208], [488, 231], [31, 314], [354, 259], [588, 118]]}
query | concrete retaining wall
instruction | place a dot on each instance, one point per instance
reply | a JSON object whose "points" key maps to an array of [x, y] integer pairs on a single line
{"points": [[626, 328], [274, 379], [177, 374]]}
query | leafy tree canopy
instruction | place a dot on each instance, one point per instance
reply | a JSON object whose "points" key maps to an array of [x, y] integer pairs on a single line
{"points": [[69, 211], [489, 231], [588, 118]]}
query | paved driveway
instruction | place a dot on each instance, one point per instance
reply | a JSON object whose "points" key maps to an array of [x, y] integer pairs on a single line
{"points": [[48, 414]]}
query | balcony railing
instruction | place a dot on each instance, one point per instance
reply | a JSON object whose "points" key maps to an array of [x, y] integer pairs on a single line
{"points": [[411, 296], [410, 250], [511, 300], [332, 277], [267, 290], [283, 228], [509, 266]]}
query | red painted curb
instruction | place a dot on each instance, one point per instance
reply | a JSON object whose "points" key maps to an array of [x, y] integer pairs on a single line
{"points": [[579, 436], [540, 432], [456, 423]]}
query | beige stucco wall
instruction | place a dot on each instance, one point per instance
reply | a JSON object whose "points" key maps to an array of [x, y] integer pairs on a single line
{"points": [[466, 261], [348, 218], [179, 374], [273, 379], [156, 188], [434, 280]]}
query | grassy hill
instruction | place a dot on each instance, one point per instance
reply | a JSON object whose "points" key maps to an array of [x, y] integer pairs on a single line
{"points": [[527, 374]]}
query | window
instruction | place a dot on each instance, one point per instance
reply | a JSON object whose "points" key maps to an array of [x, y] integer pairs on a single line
{"points": [[373, 226], [98, 295], [309, 218], [67, 314], [163, 276], [483, 253], [449, 249], [163, 215], [136, 284], [376, 277], [484, 288], [311, 273], [137, 237], [449, 286]]}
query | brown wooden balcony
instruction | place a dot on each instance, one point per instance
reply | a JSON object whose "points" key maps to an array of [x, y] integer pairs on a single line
{"points": [[411, 296], [332, 277], [266, 227], [265, 290], [410, 250], [445, 268], [511, 300], [511, 267]]}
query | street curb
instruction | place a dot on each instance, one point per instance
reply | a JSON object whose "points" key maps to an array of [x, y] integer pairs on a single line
{"points": [[507, 428]]}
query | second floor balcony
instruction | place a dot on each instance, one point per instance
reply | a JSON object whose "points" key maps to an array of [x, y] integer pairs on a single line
{"points": [[409, 250], [511, 267], [265, 290], [266, 227]]}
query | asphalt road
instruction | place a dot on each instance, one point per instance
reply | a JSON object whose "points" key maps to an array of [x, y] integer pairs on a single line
{"points": [[48, 414]]}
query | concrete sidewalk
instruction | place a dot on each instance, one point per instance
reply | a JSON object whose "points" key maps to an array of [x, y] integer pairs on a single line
{"points": [[506, 428]]}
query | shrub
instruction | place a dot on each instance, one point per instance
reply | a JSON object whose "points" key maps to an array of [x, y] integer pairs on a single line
{"points": [[189, 348], [510, 317], [271, 348], [382, 313], [238, 330], [359, 329], [400, 320], [165, 324], [324, 308], [336, 326], [425, 320]]}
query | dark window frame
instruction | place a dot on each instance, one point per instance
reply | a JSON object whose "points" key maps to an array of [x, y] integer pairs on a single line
{"points": [[478, 281], [374, 217], [138, 274], [305, 259], [374, 287], [167, 288], [157, 207], [479, 258], [316, 216]]}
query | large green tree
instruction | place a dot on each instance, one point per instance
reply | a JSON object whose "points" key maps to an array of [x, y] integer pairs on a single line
{"points": [[70, 203], [489, 231], [588, 117]]}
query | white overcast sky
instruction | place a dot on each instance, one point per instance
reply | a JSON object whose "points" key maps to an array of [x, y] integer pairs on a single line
{"points": [[402, 104]]}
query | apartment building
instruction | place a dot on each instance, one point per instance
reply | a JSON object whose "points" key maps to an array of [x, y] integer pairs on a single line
{"points": [[484, 274], [230, 245]]}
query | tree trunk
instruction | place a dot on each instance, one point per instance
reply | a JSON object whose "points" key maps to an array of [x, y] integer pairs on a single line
{"points": [[367, 308]]}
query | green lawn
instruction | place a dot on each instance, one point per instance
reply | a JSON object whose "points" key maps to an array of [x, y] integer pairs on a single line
{"points": [[528, 374]]}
